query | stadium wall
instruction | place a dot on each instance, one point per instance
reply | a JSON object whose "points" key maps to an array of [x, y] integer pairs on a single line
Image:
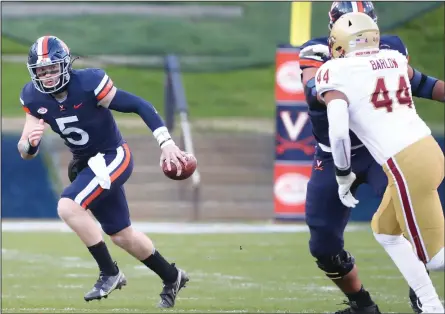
{"points": [[28, 190]]}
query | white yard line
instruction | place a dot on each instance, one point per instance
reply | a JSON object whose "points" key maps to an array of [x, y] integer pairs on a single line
{"points": [[174, 228]]}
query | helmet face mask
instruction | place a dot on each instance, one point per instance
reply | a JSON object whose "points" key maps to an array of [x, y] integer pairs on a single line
{"points": [[49, 67]]}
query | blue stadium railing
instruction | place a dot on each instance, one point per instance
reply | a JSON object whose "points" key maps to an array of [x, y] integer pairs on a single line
{"points": [[175, 103]]}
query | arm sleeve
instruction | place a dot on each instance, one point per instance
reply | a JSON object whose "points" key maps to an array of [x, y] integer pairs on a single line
{"points": [[328, 78], [340, 142], [129, 103]]}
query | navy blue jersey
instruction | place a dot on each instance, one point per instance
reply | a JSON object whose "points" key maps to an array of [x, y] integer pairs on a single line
{"points": [[317, 111], [86, 127]]}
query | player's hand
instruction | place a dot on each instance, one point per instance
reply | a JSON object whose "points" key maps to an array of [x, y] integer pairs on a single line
{"points": [[318, 51], [344, 190], [35, 136], [172, 153]]}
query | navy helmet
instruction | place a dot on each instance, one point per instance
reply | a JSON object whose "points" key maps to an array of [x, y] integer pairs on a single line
{"points": [[53, 54], [339, 8]]}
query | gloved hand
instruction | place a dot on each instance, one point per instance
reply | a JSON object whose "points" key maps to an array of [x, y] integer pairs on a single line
{"points": [[344, 189]]}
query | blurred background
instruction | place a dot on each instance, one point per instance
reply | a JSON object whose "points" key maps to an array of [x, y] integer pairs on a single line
{"points": [[218, 82]]}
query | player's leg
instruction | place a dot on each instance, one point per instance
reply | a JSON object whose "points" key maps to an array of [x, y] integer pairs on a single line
{"points": [[414, 176], [417, 177], [85, 191], [388, 233], [111, 210], [378, 181], [417, 173], [84, 225], [327, 217], [113, 214]]}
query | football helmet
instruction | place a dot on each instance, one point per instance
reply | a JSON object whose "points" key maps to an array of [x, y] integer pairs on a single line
{"points": [[339, 8], [354, 33], [49, 55]]}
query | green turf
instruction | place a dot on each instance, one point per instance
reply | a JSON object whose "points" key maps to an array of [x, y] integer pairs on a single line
{"points": [[248, 93], [44, 273]]}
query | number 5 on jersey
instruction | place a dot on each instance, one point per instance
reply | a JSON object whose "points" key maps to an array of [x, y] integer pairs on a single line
{"points": [[62, 123]]}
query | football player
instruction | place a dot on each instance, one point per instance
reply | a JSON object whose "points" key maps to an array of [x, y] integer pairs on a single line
{"points": [[77, 105], [326, 216], [367, 90]]}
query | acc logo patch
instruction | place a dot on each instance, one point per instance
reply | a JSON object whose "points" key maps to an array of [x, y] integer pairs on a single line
{"points": [[42, 110]]}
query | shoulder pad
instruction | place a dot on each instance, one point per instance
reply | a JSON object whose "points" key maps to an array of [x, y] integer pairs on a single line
{"points": [[96, 81], [314, 53], [315, 41], [393, 42]]}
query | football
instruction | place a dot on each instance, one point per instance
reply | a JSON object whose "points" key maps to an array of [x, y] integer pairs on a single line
{"points": [[187, 170]]}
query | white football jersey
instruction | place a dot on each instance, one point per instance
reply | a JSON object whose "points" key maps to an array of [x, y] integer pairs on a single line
{"points": [[381, 109]]}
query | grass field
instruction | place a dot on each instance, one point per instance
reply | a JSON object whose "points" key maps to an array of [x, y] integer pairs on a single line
{"points": [[50, 272], [244, 93]]}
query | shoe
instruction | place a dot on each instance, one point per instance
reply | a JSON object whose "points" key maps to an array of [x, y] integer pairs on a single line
{"points": [[415, 303], [354, 309], [170, 290], [105, 285]]}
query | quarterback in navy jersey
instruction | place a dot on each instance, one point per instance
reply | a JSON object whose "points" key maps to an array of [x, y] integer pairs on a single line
{"points": [[77, 105], [326, 216]]}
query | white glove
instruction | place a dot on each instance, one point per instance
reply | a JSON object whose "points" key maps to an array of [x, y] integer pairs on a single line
{"points": [[344, 190], [315, 51]]}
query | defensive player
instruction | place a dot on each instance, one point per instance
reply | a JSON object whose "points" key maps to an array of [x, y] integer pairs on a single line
{"points": [[77, 105], [377, 106], [326, 216]]}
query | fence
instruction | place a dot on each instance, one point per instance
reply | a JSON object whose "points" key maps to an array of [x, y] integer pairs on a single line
{"points": [[176, 103]]}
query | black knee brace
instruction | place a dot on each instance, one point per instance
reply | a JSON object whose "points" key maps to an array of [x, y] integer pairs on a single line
{"points": [[338, 266]]}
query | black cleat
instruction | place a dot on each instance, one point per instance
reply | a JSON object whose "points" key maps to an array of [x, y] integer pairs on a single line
{"points": [[354, 309], [105, 285], [415, 303], [170, 290]]}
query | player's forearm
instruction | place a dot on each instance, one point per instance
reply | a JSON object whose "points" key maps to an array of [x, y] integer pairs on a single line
{"points": [[439, 91], [27, 151], [129, 103], [427, 87], [339, 139]]}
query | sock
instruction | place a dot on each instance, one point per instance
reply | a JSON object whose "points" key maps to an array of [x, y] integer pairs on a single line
{"points": [[413, 270], [161, 267], [361, 298], [103, 259]]}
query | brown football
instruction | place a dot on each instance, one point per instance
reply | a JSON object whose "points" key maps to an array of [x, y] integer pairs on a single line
{"points": [[187, 170]]}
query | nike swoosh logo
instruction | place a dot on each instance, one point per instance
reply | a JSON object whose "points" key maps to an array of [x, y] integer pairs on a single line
{"points": [[77, 106]]}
